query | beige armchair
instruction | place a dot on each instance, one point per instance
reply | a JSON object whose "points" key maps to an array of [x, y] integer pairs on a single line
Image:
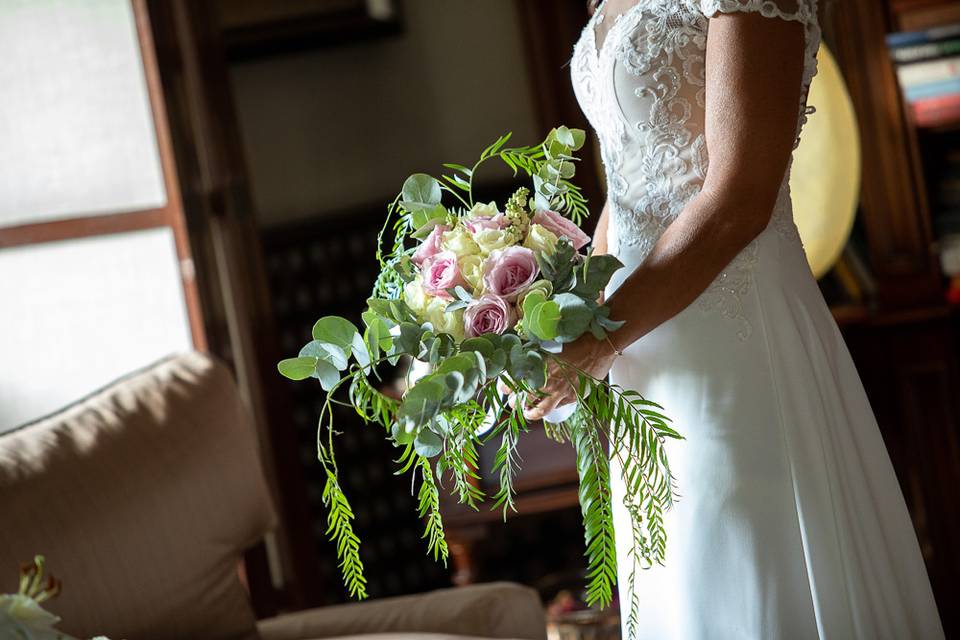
{"points": [[143, 498]]}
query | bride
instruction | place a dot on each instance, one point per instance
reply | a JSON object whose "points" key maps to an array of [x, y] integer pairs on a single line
{"points": [[791, 523]]}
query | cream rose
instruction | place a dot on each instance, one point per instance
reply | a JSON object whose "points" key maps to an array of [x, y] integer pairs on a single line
{"points": [[490, 240], [471, 268], [540, 239], [481, 210], [415, 297], [460, 242], [444, 321]]}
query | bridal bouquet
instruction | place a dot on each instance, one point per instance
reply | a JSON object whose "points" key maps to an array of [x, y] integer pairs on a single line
{"points": [[484, 297]]}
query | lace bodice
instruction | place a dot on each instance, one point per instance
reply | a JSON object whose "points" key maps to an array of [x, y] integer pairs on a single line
{"points": [[638, 73]]}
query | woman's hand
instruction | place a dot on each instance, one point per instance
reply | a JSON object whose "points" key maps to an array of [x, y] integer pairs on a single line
{"points": [[587, 354]]}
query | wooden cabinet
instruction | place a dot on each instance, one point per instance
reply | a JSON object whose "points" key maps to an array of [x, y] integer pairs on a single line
{"points": [[908, 364]]}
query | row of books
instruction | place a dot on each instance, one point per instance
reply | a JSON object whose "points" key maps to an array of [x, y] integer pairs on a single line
{"points": [[928, 67]]}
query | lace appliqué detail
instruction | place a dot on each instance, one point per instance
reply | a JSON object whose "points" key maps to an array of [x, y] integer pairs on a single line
{"points": [[643, 90], [726, 293]]}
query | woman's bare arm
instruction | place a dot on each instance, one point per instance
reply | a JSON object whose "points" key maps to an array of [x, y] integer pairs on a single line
{"points": [[753, 70], [600, 234]]}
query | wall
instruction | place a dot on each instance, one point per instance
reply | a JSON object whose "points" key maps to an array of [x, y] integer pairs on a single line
{"points": [[336, 128]]}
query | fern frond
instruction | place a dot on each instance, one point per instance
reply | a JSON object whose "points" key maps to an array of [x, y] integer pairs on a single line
{"points": [[340, 530], [460, 457], [506, 461], [593, 468], [429, 510]]}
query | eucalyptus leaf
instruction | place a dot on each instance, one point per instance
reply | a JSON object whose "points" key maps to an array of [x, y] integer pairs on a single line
{"points": [[297, 368], [594, 274], [335, 330], [360, 351], [408, 341], [400, 435], [420, 191], [575, 317], [427, 443], [480, 344], [329, 353], [424, 220], [327, 374], [421, 403], [543, 320]]}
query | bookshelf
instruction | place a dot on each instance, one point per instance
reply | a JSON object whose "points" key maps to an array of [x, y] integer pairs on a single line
{"points": [[905, 340]]}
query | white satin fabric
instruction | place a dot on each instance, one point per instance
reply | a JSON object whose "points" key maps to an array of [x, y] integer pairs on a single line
{"points": [[791, 523]]}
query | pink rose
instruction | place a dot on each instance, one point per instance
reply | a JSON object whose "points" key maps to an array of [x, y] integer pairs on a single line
{"points": [[477, 223], [561, 227], [430, 246], [509, 271], [488, 314], [441, 272]]}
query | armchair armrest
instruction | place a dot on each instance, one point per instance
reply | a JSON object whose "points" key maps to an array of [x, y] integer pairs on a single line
{"points": [[494, 610]]}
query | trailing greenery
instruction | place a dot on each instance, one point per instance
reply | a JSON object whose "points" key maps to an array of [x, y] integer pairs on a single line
{"points": [[445, 415], [593, 468]]}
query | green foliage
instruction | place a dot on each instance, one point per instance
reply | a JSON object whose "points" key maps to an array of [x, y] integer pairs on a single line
{"points": [[592, 276], [575, 316], [638, 430], [541, 317], [557, 267], [420, 192], [460, 458], [297, 368], [596, 504], [429, 511], [340, 530], [370, 404]]}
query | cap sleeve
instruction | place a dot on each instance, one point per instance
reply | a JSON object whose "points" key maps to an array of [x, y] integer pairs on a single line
{"points": [[803, 11]]}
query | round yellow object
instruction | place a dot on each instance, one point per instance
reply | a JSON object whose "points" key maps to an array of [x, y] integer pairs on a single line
{"points": [[825, 180]]}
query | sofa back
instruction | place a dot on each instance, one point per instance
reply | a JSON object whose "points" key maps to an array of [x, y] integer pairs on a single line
{"points": [[143, 498]]}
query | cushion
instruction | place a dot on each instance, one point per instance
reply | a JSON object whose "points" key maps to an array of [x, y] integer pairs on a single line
{"points": [[142, 497], [493, 610]]}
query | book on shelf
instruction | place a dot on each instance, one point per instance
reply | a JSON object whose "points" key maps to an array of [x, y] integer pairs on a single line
{"points": [[919, 73], [938, 110], [937, 89], [927, 51], [933, 34]]}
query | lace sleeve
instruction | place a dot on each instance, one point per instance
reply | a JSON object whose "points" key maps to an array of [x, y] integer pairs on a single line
{"points": [[803, 11]]}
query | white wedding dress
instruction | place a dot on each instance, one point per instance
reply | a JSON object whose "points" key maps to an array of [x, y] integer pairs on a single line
{"points": [[791, 523]]}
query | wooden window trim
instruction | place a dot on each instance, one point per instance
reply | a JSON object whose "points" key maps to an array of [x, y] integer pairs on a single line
{"points": [[170, 215]]}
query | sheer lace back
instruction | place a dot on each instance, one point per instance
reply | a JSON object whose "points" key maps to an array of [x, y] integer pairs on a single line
{"points": [[639, 74]]}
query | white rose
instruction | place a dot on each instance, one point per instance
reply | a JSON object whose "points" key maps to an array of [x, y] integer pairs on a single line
{"points": [[444, 321], [480, 209], [460, 242], [471, 268], [540, 239], [489, 240], [415, 297]]}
